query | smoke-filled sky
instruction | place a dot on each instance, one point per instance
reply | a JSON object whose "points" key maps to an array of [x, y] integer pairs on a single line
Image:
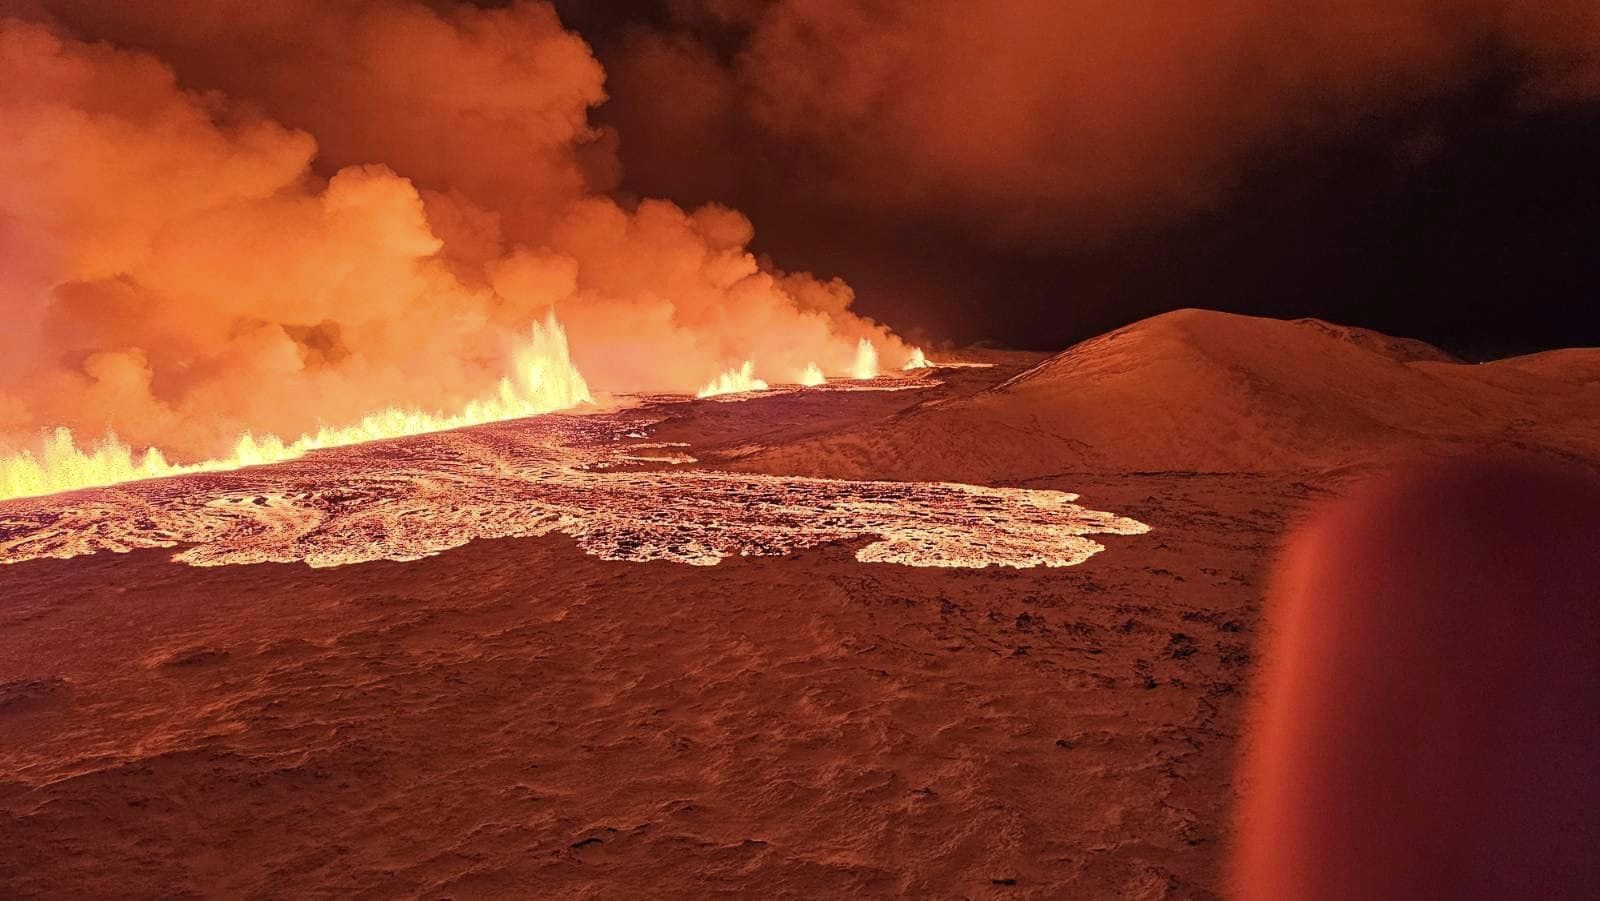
{"points": [[1040, 170], [221, 215]]}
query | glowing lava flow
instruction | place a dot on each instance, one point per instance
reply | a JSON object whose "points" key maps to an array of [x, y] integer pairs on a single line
{"points": [[734, 381], [542, 379], [574, 475]]}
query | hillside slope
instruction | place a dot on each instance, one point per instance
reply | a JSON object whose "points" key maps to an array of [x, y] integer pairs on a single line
{"points": [[1201, 391]]}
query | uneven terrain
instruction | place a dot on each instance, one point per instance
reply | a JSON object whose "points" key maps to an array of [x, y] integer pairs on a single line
{"points": [[521, 716]]}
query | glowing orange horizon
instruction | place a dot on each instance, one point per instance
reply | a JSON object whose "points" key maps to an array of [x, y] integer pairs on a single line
{"points": [[742, 379], [543, 380]]}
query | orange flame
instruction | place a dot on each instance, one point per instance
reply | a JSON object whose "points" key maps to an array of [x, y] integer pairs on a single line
{"points": [[866, 365], [542, 379], [734, 381]]}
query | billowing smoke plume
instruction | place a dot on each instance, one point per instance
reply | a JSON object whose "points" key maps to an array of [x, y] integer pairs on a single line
{"points": [[227, 215], [1036, 122]]}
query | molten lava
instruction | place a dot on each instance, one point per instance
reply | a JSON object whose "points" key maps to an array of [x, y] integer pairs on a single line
{"points": [[573, 475], [734, 381], [542, 379], [866, 365]]}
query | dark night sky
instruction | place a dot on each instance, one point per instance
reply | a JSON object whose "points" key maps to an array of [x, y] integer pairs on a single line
{"points": [[1463, 218]]}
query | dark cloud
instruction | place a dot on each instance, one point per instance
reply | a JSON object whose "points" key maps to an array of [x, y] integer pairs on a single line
{"points": [[1036, 144]]}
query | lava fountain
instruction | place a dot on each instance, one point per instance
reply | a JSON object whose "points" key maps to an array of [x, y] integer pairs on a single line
{"points": [[734, 381], [542, 379]]}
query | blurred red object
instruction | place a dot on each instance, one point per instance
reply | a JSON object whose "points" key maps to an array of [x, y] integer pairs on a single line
{"points": [[1429, 720]]}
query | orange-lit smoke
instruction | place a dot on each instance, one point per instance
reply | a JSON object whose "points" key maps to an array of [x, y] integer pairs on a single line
{"points": [[231, 217], [1039, 121]]}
